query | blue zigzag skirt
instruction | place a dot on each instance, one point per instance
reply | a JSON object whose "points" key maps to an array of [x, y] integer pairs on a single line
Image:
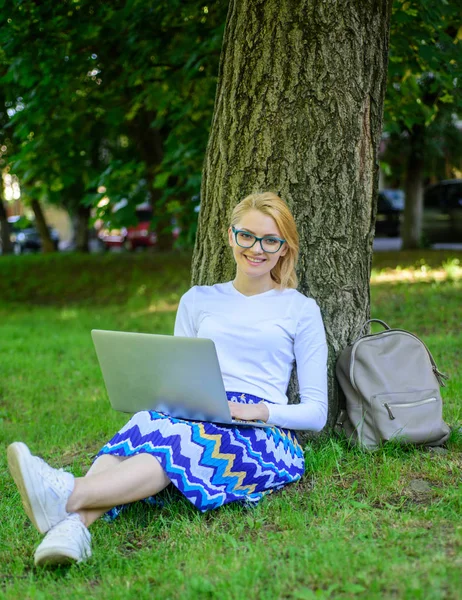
{"points": [[210, 464]]}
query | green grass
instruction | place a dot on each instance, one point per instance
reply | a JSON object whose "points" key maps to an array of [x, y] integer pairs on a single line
{"points": [[357, 526]]}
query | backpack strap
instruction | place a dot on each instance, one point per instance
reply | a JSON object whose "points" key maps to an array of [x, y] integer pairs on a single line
{"points": [[362, 331]]}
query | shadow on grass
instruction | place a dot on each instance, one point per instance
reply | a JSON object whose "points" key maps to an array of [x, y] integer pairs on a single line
{"points": [[70, 279]]}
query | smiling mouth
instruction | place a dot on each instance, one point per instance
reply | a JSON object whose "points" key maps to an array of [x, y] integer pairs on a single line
{"points": [[256, 261]]}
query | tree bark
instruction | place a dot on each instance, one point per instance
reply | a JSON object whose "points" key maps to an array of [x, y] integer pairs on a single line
{"points": [[298, 111], [81, 228], [42, 227], [149, 142], [5, 242], [78, 213], [413, 209]]}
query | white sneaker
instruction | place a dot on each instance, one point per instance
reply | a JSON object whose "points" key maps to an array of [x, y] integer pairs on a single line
{"points": [[44, 490], [67, 542]]}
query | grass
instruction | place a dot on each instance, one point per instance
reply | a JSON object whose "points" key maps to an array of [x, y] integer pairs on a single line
{"points": [[358, 525]]}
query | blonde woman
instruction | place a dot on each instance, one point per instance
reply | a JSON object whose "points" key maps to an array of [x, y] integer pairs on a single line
{"points": [[261, 325]]}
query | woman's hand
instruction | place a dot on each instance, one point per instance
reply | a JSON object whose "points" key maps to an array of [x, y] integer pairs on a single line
{"points": [[249, 412]]}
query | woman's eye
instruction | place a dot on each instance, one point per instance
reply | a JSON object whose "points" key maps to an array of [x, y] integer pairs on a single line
{"points": [[246, 236], [271, 241]]}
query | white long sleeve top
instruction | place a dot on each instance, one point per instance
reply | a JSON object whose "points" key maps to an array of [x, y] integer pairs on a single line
{"points": [[258, 338]]}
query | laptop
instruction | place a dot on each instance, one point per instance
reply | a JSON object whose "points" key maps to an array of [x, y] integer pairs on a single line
{"points": [[178, 376]]}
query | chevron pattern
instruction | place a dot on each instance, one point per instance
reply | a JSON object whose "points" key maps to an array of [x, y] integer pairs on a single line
{"points": [[212, 464]]}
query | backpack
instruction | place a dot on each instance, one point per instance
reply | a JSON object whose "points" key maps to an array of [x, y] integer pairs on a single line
{"points": [[391, 384]]}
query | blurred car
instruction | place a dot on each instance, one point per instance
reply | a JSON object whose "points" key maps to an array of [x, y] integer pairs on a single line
{"points": [[390, 205], [136, 236], [133, 236], [442, 214], [25, 237]]}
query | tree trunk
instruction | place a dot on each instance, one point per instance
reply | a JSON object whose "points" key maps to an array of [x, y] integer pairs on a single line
{"points": [[149, 142], [79, 213], [299, 112], [413, 208], [42, 228], [5, 242], [81, 228]]}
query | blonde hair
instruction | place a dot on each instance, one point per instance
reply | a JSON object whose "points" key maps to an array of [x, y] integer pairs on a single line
{"points": [[271, 205]]}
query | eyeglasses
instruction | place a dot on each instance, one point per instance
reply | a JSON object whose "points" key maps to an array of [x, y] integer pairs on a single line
{"points": [[268, 243]]}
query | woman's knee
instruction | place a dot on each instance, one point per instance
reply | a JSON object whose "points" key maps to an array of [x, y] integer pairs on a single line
{"points": [[103, 462]]}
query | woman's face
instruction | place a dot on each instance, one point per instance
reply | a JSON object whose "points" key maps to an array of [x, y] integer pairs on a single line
{"points": [[255, 262]]}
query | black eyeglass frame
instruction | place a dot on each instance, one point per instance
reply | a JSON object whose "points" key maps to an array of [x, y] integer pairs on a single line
{"points": [[257, 239]]}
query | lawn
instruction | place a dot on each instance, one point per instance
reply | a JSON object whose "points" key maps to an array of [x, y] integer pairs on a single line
{"points": [[381, 525]]}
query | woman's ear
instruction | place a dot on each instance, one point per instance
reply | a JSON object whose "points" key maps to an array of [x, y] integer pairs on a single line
{"points": [[285, 249], [230, 236]]}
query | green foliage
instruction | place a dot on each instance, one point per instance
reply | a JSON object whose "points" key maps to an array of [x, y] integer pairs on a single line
{"points": [[116, 95], [425, 65], [424, 75], [119, 96]]}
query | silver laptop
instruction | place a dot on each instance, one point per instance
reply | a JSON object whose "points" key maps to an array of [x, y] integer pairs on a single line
{"points": [[178, 376]]}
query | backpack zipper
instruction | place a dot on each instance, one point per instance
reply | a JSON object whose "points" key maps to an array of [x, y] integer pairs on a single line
{"points": [[405, 405], [439, 376], [390, 414]]}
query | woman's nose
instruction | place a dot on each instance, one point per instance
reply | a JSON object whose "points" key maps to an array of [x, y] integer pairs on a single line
{"points": [[257, 248]]}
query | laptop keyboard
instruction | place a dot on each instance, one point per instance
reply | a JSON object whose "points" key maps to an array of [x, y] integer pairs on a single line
{"points": [[251, 423]]}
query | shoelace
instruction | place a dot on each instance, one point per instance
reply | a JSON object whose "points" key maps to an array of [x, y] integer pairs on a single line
{"points": [[53, 477], [72, 525]]}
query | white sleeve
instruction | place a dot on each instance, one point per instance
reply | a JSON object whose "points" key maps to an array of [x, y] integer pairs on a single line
{"points": [[310, 349], [185, 317]]}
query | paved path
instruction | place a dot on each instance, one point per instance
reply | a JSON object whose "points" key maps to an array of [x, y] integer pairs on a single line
{"points": [[387, 244]]}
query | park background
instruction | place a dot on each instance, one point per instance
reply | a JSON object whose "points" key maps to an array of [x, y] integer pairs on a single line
{"points": [[109, 105]]}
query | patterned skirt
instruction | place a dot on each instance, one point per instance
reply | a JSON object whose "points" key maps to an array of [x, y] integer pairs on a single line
{"points": [[211, 464]]}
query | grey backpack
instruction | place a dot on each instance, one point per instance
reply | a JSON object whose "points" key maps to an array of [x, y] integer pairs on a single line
{"points": [[391, 384]]}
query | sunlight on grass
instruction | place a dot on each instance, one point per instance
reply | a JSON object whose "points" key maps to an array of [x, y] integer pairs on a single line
{"points": [[450, 270], [68, 314], [158, 307]]}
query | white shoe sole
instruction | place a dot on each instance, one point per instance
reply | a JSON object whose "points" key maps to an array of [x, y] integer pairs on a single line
{"points": [[18, 455], [57, 556]]}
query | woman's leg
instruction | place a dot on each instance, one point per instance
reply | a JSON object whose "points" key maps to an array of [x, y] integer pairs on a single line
{"points": [[49, 495], [102, 463], [116, 482]]}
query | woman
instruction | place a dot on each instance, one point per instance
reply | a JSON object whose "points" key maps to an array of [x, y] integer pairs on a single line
{"points": [[260, 325]]}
